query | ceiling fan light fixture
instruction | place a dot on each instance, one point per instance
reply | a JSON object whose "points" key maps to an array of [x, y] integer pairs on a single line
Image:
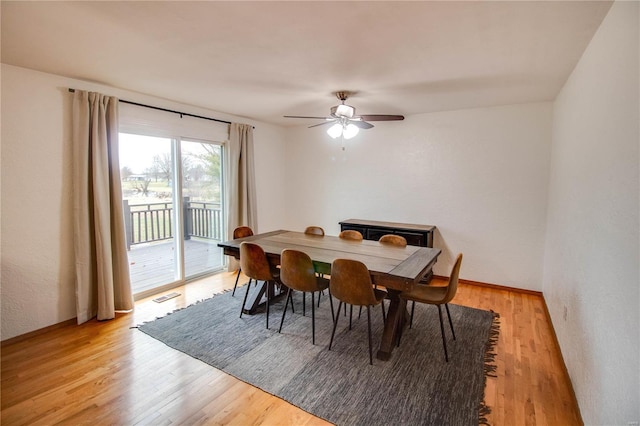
{"points": [[350, 131], [346, 123], [345, 111], [335, 131]]}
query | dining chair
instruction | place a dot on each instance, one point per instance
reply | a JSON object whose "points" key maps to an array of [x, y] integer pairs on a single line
{"points": [[256, 266], [314, 230], [351, 234], [240, 232], [297, 273], [436, 295], [393, 240], [351, 283]]}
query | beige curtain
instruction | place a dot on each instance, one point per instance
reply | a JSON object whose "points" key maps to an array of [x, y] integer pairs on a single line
{"points": [[241, 182], [102, 269]]}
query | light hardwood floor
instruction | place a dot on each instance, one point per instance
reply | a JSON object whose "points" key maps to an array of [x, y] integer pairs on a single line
{"points": [[108, 373]]}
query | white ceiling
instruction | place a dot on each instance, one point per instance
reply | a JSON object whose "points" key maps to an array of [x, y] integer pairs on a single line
{"points": [[267, 59]]}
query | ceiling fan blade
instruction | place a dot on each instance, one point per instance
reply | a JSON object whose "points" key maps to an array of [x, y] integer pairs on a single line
{"points": [[382, 117], [301, 116], [361, 124], [322, 124]]}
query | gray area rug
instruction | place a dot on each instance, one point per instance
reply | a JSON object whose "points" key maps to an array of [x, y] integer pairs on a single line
{"points": [[415, 387]]}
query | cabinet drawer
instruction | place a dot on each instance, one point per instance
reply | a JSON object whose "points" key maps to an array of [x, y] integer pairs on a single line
{"points": [[413, 239], [375, 233]]}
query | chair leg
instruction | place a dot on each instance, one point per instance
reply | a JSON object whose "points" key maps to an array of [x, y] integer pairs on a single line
{"points": [[319, 294], [233, 293], [304, 303], [446, 305], [444, 340], [369, 327], [286, 302], [413, 307], [331, 303], [313, 318], [244, 301], [290, 300], [384, 314], [335, 324], [268, 291], [359, 312]]}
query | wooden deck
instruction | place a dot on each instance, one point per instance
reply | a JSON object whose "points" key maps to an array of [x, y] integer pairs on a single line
{"points": [[154, 264]]}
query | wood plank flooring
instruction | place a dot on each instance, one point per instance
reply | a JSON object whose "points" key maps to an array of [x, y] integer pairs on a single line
{"points": [[107, 373]]}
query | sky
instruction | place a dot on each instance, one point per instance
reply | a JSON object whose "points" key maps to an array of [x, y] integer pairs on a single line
{"points": [[137, 152]]}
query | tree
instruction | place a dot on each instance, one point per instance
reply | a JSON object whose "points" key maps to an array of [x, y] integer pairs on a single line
{"points": [[125, 172], [204, 171], [162, 165], [197, 172], [211, 160], [142, 186], [154, 171]]}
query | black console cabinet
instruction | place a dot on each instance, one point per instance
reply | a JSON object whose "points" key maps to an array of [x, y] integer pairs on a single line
{"points": [[416, 235]]}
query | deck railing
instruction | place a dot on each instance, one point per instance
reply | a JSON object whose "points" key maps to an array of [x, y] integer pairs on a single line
{"points": [[150, 222]]}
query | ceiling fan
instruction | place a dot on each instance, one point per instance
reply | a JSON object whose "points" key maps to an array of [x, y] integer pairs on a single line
{"points": [[345, 121]]}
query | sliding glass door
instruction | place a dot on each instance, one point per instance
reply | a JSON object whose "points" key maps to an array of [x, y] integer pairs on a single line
{"points": [[202, 206], [173, 209]]}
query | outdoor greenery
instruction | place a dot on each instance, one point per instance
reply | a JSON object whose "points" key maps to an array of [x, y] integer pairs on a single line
{"points": [[200, 170]]}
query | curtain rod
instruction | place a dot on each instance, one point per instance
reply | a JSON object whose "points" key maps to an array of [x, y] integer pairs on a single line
{"points": [[168, 110]]}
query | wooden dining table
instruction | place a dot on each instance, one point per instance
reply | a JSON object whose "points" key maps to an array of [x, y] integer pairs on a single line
{"points": [[397, 269]]}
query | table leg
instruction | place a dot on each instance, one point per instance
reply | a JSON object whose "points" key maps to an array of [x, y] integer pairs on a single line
{"points": [[255, 302], [396, 319]]}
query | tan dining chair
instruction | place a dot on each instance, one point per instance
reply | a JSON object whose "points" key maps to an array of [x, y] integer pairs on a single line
{"points": [[314, 230], [351, 283], [350, 234], [297, 273], [256, 266], [240, 232], [436, 295], [393, 240]]}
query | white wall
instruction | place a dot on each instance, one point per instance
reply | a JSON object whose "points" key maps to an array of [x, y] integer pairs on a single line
{"points": [[270, 146], [37, 247], [37, 280], [592, 254], [479, 175]]}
